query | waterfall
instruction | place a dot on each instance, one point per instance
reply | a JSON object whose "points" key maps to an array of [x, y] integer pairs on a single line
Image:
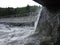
{"points": [[44, 31], [19, 35]]}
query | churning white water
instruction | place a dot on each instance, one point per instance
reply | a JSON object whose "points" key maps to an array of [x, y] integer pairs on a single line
{"points": [[17, 35]]}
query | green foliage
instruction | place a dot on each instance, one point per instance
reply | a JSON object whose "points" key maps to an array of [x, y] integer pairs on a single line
{"points": [[7, 12]]}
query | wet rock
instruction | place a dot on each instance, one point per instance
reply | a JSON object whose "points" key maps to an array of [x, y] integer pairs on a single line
{"points": [[47, 27], [49, 22]]}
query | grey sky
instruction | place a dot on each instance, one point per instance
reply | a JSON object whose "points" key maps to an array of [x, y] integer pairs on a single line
{"points": [[17, 3]]}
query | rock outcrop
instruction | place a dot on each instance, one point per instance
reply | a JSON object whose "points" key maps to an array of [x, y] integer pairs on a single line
{"points": [[48, 27]]}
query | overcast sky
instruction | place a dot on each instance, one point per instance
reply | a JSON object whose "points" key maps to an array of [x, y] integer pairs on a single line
{"points": [[17, 3]]}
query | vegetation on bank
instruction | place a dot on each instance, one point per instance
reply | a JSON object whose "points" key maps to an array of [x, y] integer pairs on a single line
{"points": [[12, 12]]}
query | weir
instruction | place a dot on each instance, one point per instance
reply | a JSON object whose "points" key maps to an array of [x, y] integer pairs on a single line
{"points": [[20, 35], [45, 31]]}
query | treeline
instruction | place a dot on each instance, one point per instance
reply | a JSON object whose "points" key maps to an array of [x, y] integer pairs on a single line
{"points": [[7, 12]]}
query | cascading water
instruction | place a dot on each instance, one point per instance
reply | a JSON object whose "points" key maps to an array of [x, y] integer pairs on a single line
{"points": [[44, 31], [38, 16], [19, 35]]}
